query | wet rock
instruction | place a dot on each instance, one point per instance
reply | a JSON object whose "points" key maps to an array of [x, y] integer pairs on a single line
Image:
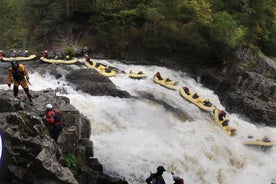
{"points": [[32, 156]]}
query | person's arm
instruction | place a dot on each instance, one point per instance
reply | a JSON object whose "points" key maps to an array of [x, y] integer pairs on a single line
{"points": [[9, 77], [50, 117], [26, 73], [149, 179]]}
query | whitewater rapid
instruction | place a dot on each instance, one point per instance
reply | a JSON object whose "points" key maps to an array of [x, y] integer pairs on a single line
{"points": [[132, 136]]}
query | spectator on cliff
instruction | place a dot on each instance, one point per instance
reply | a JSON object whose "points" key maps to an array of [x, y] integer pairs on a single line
{"points": [[19, 75], [53, 117]]}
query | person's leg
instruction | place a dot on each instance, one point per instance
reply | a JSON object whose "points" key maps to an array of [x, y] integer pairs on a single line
{"points": [[25, 87], [56, 131], [15, 91], [28, 94]]}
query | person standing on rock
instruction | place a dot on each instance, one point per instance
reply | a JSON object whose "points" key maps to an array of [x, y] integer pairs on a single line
{"points": [[54, 118], [19, 75]]}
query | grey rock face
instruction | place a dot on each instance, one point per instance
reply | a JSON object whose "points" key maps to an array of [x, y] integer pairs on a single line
{"points": [[32, 156]]}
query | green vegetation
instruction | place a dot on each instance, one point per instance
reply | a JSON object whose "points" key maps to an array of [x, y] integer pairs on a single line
{"points": [[188, 30], [70, 161]]}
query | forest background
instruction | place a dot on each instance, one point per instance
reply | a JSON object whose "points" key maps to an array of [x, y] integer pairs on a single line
{"points": [[187, 31]]}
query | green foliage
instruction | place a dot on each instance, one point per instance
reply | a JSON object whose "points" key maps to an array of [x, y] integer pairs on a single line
{"points": [[70, 161], [69, 50], [12, 30], [226, 31], [194, 29]]}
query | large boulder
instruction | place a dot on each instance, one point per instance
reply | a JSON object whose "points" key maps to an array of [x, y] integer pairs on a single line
{"points": [[32, 156]]}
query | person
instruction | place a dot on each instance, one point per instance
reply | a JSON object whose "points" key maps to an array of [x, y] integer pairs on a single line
{"points": [[207, 102], [158, 75], [266, 139], [26, 53], [45, 54], [168, 80], [195, 96], [186, 90], [67, 57], [13, 53], [53, 117], [2, 54], [156, 178], [225, 123], [140, 72], [20, 76], [88, 59], [221, 115], [177, 179]]}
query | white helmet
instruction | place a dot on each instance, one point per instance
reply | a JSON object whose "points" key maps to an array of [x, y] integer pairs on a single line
{"points": [[49, 106]]}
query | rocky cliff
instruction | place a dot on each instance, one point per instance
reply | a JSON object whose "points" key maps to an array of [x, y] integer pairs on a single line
{"points": [[247, 86], [32, 156]]}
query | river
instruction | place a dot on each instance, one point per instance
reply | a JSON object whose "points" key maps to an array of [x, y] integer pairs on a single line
{"points": [[132, 136]]}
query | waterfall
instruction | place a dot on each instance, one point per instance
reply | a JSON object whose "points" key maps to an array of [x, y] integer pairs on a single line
{"points": [[132, 136]]}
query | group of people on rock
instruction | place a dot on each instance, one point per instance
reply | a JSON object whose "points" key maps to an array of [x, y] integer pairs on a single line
{"points": [[157, 178], [19, 76]]}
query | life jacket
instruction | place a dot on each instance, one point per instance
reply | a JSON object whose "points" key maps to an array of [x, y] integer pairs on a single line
{"points": [[18, 74], [195, 96], [57, 116], [54, 117], [156, 179]]}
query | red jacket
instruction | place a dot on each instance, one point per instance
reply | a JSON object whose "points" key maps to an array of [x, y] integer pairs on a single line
{"points": [[50, 117]]}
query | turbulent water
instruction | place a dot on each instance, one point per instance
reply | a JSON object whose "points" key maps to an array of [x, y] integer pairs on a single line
{"points": [[132, 136]]}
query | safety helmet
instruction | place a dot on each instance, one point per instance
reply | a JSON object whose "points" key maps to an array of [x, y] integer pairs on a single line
{"points": [[14, 64], [223, 112], [161, 168], [67, 56], [157, 73], [46, 51], [266, 137], [49, 106], [207, 99], [26, 51]]}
